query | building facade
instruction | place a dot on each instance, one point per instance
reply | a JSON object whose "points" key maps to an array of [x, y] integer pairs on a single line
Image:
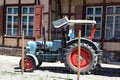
{"points": [[30, 16], [107, 15], [22, 15]]}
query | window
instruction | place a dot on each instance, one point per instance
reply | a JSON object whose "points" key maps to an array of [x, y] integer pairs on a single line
{"points": [[112, 29], [27, 20], [94, 13], [12, 21]]}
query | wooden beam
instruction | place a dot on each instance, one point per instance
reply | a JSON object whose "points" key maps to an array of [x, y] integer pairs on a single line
{"points": [[60, 9], [56, 11], [71, 14], [38, 2], [4, 2], [69, 9], [103, 23], [84, 9], [112, 3], [26, 37], [35, 2], [83, 16], [100, 4], [32, 4], [4, 22], [19, 21], [49, 19], [96, 4]]}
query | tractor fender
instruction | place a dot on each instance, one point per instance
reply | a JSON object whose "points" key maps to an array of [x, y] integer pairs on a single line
{"points": [[84, 40], [34, 57]]}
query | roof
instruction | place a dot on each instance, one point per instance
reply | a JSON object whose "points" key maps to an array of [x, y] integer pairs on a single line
{"points": [[61, 22]]}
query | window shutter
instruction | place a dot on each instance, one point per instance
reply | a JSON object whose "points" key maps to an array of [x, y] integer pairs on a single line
{"points": [[1, 20], [38, 21], [78, 15]]}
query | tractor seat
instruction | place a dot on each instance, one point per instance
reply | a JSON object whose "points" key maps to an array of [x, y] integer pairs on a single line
{"points": [[56, 45]]}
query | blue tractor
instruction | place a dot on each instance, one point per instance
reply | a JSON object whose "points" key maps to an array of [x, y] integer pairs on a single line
{"points": [[64, 51]]}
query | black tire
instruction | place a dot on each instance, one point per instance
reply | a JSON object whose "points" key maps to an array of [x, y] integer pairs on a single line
{"points": [[29, 64], [38, 65], [88, 58]]}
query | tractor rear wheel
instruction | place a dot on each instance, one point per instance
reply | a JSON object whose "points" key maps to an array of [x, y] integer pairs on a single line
{"points": [[88, 58]]}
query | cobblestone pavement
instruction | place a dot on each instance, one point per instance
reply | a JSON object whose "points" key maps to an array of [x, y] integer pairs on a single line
{"points": [[9, 70]]}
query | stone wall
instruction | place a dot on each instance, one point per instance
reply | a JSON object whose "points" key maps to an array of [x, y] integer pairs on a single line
{"points": [[10, 51]]}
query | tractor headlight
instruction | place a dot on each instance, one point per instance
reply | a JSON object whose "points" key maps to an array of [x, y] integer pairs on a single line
{"points": [[27, 49]]}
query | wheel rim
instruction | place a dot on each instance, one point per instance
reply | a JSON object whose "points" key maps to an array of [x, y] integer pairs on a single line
{"points": [[28, 64], [85, 58]]}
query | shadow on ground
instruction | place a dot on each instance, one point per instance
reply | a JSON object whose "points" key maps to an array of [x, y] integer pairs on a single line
{"points": [[111, 72], [62, 70]]}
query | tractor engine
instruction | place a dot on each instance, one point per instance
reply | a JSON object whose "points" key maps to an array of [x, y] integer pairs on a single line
{"points": [[36, 46]]}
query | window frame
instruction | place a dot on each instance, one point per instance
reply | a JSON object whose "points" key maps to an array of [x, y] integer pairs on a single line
{"points": [[12, 30], [113, 25], [94, 15], [27, 23], [12, 22]]}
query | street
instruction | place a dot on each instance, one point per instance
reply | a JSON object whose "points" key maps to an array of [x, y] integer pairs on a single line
{"points": [[9, 70]]}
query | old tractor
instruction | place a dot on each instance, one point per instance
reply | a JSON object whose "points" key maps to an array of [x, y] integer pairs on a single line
{"points": [[64, 51]]}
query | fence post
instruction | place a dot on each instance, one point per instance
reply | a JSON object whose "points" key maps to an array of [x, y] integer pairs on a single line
{"points": [[22, 64], [79, 50]]}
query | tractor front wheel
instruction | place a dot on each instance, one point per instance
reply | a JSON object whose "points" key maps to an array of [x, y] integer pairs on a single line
{"points": [[29, 64], [88, 58]]}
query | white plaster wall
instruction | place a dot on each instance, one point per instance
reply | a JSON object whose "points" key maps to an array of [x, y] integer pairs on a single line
{"points": [[111, 46]]}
